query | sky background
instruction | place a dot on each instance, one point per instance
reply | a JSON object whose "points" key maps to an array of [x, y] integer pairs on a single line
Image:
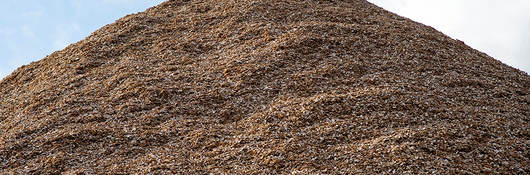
{"points": [[499, 28], [33, 29]]}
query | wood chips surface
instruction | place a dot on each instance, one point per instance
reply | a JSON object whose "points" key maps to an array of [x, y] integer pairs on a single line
{"points": [[265, 87]]}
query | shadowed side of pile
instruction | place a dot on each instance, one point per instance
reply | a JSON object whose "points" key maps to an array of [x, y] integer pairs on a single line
{"points": [[268, 87]]}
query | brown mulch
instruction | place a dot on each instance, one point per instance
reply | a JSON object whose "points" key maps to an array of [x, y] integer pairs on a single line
{"points": [[265, 87]]}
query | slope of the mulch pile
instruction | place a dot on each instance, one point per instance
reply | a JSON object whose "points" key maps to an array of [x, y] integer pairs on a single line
{"points": [[268, 86]]}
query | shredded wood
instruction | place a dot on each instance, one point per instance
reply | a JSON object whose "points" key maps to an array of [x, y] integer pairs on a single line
{"points": [[265, 87]]}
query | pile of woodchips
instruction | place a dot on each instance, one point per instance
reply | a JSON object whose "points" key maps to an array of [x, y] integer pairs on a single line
{"points": [[265, 87]]}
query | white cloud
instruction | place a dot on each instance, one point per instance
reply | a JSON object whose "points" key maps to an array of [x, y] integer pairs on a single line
{"points": [[496, 27]]}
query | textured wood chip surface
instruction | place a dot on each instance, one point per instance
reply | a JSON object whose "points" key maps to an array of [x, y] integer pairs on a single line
{"points": [[265, 87]]}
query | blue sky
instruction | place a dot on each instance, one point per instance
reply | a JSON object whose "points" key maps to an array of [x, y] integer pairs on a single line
{"points": [[32, 29]]}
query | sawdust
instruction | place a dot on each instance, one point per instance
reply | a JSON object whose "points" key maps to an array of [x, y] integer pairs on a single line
{"points": [[265, 87]]}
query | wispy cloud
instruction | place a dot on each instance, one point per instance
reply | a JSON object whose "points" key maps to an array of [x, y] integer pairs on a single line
{"points": [[62, 38], [32, 14], [6, 32], [63, 35], [28, 32]]}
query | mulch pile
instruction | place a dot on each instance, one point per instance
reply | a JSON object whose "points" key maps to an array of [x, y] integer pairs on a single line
{"points": [[265, 87]]}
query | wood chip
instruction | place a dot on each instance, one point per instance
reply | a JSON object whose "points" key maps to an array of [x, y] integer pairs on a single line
{"points": [[265, 87]]}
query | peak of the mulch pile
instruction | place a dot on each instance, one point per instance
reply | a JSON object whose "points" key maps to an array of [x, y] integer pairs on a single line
{"points": [[265, 87]]}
